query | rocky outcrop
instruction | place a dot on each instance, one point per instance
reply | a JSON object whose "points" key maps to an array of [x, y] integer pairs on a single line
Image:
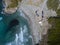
{"points": [[9, 9]]}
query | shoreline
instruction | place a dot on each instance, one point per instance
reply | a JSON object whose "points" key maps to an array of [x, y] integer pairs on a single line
{"points": [[9, 10]]}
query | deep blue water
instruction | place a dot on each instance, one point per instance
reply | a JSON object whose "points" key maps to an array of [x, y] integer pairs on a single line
{"points": [[14, 29]]}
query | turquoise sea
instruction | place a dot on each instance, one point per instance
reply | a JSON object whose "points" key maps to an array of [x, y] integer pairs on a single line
{"points": [[14, 29]]}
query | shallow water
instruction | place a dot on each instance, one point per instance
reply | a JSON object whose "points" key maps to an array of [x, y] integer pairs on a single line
{"points": [[14, 29]]}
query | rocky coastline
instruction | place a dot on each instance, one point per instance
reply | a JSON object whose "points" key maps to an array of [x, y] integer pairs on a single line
{"points": [[9, 10]]}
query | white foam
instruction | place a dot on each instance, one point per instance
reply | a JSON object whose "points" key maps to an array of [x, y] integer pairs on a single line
{"points": [[1, 18]]}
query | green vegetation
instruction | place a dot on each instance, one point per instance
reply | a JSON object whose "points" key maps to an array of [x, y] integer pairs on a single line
{"points": [[54, 32], [58, 12], [53, 4], [14, 3]]}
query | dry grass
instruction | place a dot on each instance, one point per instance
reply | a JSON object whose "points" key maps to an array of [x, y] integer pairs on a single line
{"points": [[14, 3]]}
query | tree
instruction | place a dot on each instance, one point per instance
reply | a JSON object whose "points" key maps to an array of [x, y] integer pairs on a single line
{"points": [[58, 12], [53, 4]]}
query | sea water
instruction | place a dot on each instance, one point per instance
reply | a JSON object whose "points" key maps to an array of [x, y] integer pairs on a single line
{"points": [[14, 29]]}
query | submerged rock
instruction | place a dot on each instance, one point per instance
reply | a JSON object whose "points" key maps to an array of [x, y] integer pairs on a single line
{"points": [[12, 24]]}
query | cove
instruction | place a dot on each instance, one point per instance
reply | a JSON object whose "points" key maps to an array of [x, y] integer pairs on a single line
{"points": [[14, 29]]}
